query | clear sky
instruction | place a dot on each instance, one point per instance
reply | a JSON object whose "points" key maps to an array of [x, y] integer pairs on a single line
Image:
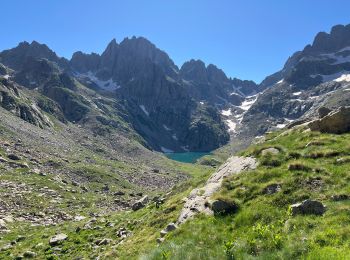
{"points": [[248, 39]]}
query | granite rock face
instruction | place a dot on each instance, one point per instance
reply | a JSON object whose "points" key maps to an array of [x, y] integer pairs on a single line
{"points": [[337, 122], [312, 82]]}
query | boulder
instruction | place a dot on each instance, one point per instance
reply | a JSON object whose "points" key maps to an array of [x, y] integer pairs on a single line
{"points": [[2, 225], [272, 188], [55, 240], [103, 242], [29, 254], [119, 193], [340, 197], [337, 122], [270, 150], [140, 203], [323, 111], [342, 160], [170, 227], [308, 207], [14, 157], [3, 160], [123, 232], [6, 247], [160, 240], [223, 207]]}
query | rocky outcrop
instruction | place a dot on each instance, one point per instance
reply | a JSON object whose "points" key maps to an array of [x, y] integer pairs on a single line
{"points": [[197, 201], [140, 203], [337, 122], [58, 239], [222, 207], [272, 189], [308, 207], [12, 100]]}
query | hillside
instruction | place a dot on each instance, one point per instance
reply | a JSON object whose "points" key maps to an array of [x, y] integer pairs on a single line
{"points": [[300, 165], [294, 165]]}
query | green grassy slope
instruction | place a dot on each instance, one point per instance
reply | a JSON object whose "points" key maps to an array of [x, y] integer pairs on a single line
{"points": [[263, 228]]}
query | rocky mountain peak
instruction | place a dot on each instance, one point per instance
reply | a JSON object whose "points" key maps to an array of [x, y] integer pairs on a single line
{"points": [[14, 58], [338, 38], [215, 74], [194, 70], [85, 62], [141, 48]]}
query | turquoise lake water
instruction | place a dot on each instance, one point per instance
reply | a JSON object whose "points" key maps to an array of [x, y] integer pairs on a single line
{"points": [[188, 157]]}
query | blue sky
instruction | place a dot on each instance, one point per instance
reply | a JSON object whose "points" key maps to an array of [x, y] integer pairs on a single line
{"points": [[248, 39]]}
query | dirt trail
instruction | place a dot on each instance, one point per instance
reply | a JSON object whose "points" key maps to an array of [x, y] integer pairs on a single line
{"points": [[195, 202]]}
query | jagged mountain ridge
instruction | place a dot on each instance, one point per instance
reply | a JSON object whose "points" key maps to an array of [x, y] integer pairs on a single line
{"points": [[312, 78], [170, 108]]}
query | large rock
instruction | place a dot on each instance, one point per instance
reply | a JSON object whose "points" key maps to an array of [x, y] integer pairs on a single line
{"points": [[308, 207], [272, 189], [323, 111], [29, 254], [170, 227], [337, 122], [270, 150], [140, 203], [223, 207], [55, 240]]}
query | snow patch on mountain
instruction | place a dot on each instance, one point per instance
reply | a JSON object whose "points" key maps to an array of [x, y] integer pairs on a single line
{"points": [[331, 77], [246, 104], [231, 125], [166, 128], [144, 110], [344, 77], [226, 112], [166, 150], [108, 85]]}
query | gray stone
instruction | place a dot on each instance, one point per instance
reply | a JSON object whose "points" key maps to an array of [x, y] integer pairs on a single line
{"points": [[14, 157], [140, 203], [308, 207], [170, 227], [119, 193], [55, 240], [6, 247], [29, 254], [103, 242], [272, 188], [160, 240], [340, 197], [323, 111], [269, 151], [337, 122], [3, 160], [2, 225], [223, 207]]}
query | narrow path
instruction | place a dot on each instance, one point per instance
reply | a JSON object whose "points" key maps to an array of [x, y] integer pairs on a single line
{"points": [[195, 202]]}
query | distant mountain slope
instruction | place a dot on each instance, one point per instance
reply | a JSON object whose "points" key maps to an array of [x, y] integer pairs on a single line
{"points": [[171, 109], [312, 78]]}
